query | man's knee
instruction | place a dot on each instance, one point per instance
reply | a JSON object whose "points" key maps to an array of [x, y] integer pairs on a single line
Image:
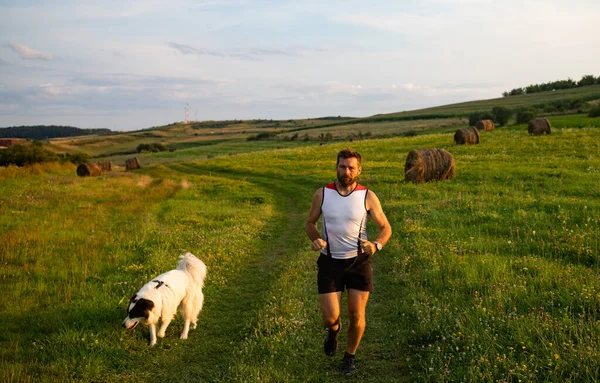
{"points": [[356, 317], [330, 321]]}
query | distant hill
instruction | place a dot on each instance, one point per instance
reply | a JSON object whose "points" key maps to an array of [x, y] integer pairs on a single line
{"points": [[540, 101], [43, 132]]}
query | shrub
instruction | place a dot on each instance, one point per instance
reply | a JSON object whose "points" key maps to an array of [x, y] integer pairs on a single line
{"points": [[261, 136], [477, 116], [501, 115], [26, 154], [595, 111], [524, 115], [75, 158], [154, 147]]}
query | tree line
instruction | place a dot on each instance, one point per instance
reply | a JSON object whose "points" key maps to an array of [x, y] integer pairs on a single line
{"points": [[33, 152], [523, 114], [554, 85], [44, 132]]}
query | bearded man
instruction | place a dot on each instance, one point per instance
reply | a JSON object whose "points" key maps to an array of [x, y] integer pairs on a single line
{"points": [[345, 251]]}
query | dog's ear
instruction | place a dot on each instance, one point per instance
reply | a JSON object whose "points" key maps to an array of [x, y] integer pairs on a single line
{"points": [[141, 308], [148, 303]]}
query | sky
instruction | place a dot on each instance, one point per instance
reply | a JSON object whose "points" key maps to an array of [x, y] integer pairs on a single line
{"points": [[129, 65]]}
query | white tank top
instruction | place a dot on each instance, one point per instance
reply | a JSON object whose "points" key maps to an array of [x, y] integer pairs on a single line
{"points": [[344, 221]]}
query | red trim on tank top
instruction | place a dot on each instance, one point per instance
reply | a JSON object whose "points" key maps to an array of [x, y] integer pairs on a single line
{"points": [[331, 186]]}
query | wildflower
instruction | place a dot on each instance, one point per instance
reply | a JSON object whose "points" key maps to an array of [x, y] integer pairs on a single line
{"points": [[556, 356]]}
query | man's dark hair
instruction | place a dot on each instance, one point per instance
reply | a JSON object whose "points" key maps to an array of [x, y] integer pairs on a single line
{"points": [[349, 153]]}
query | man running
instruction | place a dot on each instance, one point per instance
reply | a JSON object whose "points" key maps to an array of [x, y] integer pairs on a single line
{"points": [[345, 259]]}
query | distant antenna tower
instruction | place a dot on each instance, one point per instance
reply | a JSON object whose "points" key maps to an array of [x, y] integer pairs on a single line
{"points": [[187, 112]]}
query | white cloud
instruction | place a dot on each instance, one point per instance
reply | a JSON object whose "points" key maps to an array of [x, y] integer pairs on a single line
{"points": [[51, 90], [339, 87], [408, 86], [29, 54]]}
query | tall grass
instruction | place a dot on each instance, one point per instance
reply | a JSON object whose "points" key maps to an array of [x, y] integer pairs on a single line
{"points": [[492, 276]]}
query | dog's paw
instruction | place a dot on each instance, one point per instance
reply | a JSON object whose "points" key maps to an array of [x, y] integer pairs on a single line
{"points": [[161, 334], [152, 343], [183, 336], [193, 326]]}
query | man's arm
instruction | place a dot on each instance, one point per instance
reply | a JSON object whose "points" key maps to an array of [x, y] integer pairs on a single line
{"points": [[311, 223], [378, 216]]}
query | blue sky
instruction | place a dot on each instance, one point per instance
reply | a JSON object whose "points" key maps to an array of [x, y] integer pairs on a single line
{"points": [[128, 65]]}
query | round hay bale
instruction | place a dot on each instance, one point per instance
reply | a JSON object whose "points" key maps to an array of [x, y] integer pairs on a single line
{"points": [[485, 125], [90, 169], [468, 135], [132, 163], [105, 165], [539, 126], [429, 165]]}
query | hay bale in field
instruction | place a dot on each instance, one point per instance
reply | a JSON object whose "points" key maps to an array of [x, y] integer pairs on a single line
{"points": [[429, 165], [105, 165], [468, 135], [485, 125], [539, 126], [90, 169], [132, 163]]}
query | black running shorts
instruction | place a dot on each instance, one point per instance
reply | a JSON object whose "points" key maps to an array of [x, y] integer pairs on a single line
{"points": [[336, 274]]}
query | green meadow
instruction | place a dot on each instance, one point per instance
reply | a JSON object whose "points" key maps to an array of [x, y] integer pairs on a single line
{"points": [[492, 276], [587, 93]]}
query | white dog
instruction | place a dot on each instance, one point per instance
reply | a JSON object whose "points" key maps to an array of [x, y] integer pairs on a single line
{"points": [[164, 295]]}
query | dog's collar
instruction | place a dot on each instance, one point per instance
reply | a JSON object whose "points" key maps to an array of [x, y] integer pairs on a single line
{"points": [[160, 283]]}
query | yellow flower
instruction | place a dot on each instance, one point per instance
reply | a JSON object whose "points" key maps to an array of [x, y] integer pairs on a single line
{"points": [[556, 356]]}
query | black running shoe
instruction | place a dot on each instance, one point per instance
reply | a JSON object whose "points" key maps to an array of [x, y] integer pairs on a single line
{"points": [[330, 345], [348, 364]]}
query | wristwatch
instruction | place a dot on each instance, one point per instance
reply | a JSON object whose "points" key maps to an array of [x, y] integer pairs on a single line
{"points": [[378, 246]]}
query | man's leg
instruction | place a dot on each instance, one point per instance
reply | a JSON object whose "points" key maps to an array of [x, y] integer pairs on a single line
{"points": [[357, 304], [330, 309]]}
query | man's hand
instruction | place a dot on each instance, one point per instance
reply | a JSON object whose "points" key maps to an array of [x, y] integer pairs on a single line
{"points": [[368, 248], [318, 244]]}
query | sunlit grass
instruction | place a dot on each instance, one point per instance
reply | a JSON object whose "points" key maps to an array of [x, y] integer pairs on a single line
{"points": [[491, 276]]}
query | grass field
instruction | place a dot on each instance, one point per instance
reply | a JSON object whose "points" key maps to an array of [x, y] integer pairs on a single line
{"points": [[591, 92], [213, 138], [492, 276]]}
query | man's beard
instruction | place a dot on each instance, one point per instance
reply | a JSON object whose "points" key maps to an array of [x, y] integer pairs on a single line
{"points": [[346, 181]]}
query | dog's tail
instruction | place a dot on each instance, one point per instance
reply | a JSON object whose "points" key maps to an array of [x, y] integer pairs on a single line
{"points": [[189, 263]]}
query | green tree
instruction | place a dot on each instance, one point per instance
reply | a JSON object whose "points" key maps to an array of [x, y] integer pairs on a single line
{"points": [[595, 111], [587, 80], [478, 116], [501, 115], [524, 115], [26, 154]]}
